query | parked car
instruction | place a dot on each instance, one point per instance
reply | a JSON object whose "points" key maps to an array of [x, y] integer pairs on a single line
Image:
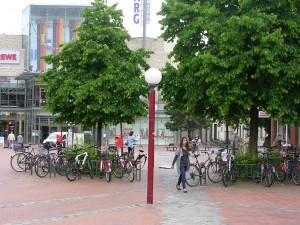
{"points": [[53, 137]]}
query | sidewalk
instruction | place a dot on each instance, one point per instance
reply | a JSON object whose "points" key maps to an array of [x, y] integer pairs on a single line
{"points": [[28, 199]]}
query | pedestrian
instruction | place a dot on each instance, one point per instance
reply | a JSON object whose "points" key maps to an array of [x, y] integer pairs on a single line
{"points": [[131, 141], [246, 142], [235, 142], [277, 142], [20, 140], [196, 142], [11, 138], [182, 161]]}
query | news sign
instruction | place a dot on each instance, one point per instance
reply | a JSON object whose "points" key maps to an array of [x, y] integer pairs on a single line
{"points": [[9, 57]]}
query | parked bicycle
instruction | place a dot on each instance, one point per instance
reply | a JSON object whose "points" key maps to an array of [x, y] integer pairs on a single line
{"points": [[46, 163], [105, 165], [289, 166], [75, 166], [123, 164], [141, 159], [28, 160], [21, 161], [229, 170], [199, 170], [264, 171]]}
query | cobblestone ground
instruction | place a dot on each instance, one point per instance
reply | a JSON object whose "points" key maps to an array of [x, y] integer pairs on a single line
{"points": [[28, 199]]}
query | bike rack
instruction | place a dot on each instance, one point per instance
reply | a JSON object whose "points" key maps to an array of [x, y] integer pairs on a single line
{"points": [[138, 172]]}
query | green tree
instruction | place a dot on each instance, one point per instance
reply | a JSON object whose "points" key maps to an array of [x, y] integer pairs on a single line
{"points": [[97, 79], [181, 121], [233, 58]]}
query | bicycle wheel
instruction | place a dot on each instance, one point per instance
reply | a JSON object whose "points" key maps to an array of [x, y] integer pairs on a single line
{"points": [[107, 171], [214, 172], [90, 169], [269, 176], [72, 170], [42, 166], [193, 176], [280, 172], [296, 175], [257, 173], [61, 165], [18, 162], [117, 168], [226, 176], [53, 159], [129, 171]]}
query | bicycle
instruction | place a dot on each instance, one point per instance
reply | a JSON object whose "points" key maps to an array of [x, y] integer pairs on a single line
{"points": [[296, 174], [285, 166], [199, 170], [75, 166], [105, 165], [61, 163], [264, 170], [229, 170], [123, 164], [46, 163], [141, 159], [21, 161]]}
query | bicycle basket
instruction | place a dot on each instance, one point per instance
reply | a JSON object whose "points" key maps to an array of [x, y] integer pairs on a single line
{"points": [[224, 156]]}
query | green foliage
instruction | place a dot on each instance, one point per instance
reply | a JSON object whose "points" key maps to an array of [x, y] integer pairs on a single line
{"points": [[92, 152], [248, 158], [97, 79], [233, 58], [184, 122]]}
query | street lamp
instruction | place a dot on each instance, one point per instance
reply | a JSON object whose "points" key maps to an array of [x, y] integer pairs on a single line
{"points": [[153, 77]]}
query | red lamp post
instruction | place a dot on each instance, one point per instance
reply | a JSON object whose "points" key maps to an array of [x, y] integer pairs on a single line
{"points": [[153, 77]]}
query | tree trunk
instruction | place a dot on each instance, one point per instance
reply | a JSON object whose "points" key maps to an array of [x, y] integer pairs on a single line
{"points": [[99, 133], [227, 134], [253, 130]]}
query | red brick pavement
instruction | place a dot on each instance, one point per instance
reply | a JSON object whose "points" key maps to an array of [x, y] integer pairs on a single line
{"points": [[250, 203], [29, 199]]}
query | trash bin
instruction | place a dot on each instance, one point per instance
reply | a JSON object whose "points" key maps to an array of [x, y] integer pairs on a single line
{"points": [[119, 141]]}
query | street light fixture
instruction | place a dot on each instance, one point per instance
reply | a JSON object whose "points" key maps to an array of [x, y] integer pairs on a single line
{"points": [[152, 77]]}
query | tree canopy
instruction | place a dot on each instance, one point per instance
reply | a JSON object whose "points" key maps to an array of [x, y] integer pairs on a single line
{"points": [[97, 79], [233, 58]]}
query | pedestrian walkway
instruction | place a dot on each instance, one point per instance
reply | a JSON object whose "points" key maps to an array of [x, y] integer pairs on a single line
{"points": [[28, 199]]}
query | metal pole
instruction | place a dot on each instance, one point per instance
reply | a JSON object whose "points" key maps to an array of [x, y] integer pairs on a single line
{"points": [[121, 133], [151, 146]]}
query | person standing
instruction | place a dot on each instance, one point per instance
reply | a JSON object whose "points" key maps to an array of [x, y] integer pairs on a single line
{"points": [[246, 142], [277, 142], [20, 140], [182, 161], [11, 138], [235, 142], [196, 142], [131, 141]]}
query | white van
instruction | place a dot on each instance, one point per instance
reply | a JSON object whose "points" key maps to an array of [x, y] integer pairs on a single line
{"points": [[53, 136]]}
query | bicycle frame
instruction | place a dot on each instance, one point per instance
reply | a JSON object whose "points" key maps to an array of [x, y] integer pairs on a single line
{"points": [[77, 160]]}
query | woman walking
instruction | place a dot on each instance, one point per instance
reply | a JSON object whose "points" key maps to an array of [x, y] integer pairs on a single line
{"points": [[182, 163]]}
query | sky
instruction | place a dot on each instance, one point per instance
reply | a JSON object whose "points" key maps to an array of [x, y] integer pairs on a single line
{"points": [[11, 15]]}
